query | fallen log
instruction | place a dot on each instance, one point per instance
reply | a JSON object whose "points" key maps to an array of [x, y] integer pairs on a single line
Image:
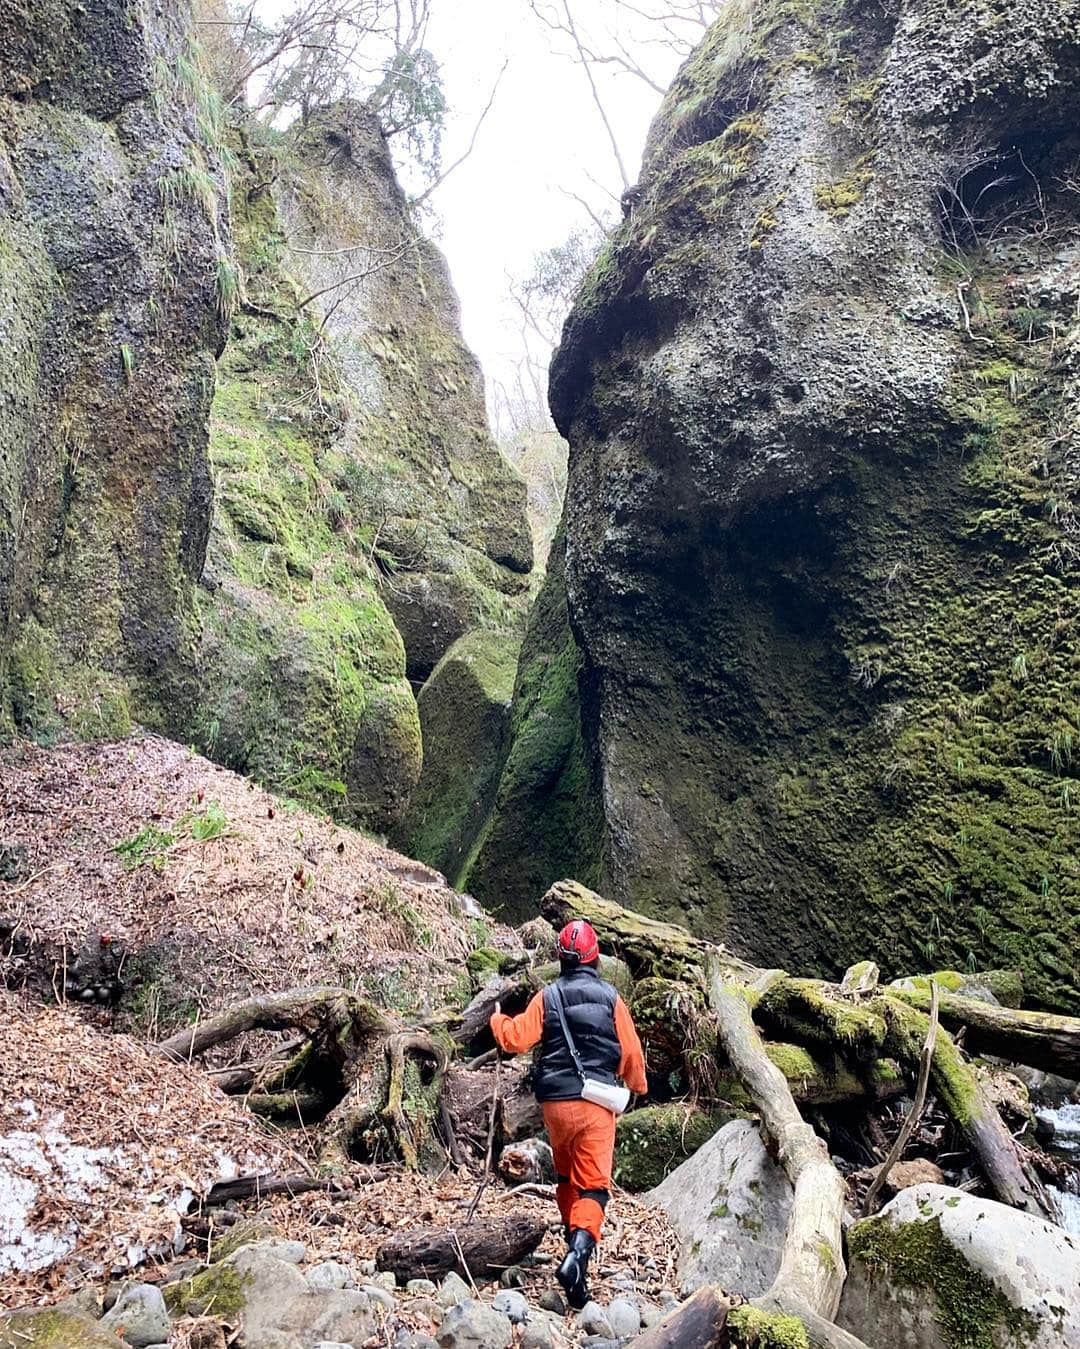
{"points": [[512, 993], [698, 1323], [647, 945], [482, 1249], [812, 1270], [1039, 1039], [961, 1093]]}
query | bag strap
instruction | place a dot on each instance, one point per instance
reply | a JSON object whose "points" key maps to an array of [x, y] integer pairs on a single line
{"points": [[560, 1012]]}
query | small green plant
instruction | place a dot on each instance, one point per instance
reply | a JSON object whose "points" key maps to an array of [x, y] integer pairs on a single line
{"points": [[127, 361], [1019, 668], [227, 284], [212, 823], [147, 848], [189, 183], [1061, 750]]}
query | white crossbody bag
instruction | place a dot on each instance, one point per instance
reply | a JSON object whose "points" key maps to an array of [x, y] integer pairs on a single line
{"points": [[607, 1094]]}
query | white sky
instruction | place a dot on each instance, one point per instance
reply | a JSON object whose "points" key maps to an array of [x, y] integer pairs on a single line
{"points": [[542, 138]]}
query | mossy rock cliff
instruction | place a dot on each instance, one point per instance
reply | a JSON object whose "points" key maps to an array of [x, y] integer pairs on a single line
{"points": [[108, 333], [546, 822], [364, 520], [823, 505]]}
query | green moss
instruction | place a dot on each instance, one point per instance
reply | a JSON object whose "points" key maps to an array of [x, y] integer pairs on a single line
{"points": [[971, 1312], [759, 1329], [219, 1290], [465, 720], [53, 694], [839, 198], [652, 1141], [484, 960], [50, 1328], [548, 789]]}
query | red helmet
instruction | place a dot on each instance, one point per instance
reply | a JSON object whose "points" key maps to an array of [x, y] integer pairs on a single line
{"points": [[578, 943]]}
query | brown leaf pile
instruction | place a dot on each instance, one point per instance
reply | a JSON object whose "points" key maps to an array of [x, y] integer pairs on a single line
{"points": [[99, 1140], [282, 897]]}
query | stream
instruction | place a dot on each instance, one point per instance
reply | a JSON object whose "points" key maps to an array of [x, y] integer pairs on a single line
{"points": [[1058, 1129]]}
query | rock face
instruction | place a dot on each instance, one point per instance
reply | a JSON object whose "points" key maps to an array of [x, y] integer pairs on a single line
{"points": [[822, 517], [365, 520], [940, 1268], [729, 1204], [548, 791], [108, 333]]}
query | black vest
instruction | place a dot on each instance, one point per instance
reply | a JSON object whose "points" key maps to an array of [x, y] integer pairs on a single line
{"points": [[589, 1005]]}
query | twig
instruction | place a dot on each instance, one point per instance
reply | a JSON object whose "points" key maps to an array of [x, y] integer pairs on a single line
{"points": [[961, 288], [915, 1113], [490, 1144]]}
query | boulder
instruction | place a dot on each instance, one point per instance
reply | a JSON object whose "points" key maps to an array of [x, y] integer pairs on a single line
{"points": [[274, 1302], [51, 1328], [944, 1268], [623, 1317], [729, 1206], [138, 1316], [593, 1320], [652, 1141], [453, 1290], [472, 1325]]}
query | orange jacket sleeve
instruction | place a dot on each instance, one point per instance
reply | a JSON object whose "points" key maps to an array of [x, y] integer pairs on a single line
{"points": [[517, 1034], [632, 1063]]}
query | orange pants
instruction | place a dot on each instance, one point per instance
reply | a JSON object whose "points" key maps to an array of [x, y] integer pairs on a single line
{"points": [[583, 1140]]}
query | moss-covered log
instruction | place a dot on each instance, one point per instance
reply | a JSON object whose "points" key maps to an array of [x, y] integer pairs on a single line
{"points": [[962, 1095], [1039, 1039], [647, 946]]}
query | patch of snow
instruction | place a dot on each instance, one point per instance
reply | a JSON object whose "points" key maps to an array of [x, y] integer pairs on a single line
{"points": [[30, 1162], [227, 1167]]}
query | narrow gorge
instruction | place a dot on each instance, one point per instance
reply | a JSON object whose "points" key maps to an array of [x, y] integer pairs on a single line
{"points": [[325, 701]]}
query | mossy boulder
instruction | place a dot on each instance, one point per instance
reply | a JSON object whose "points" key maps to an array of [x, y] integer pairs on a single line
{"points": [[464, 720], [952, 1271], [651, 1142], [819, 566], [51, 1328]]}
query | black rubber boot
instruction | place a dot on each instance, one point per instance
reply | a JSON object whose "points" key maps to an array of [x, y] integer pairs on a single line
{"points": [[572, 1273]]}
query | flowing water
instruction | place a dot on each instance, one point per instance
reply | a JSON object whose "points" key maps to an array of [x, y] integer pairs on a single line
{"points": [[1058, 1129]]}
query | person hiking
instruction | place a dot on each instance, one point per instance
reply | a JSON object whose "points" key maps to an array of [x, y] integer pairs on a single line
{"points": [[587, 1043]]}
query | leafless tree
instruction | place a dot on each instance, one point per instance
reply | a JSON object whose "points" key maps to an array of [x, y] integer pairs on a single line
{"points": [[643, 39]]}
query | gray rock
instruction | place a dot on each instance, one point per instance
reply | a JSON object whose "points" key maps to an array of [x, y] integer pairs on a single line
{"points": [[421, 1288], [332, 1344], [330, 1275], [512, 1277], [651, 1315], [138, 1316], [600, 1342], [454, 1289], [84, 1302], [290, 1252], [729, 1206], [472, 1325], [623, 1317], [367, 1267], [281, 1309], [553, 1301], [513, 1305], [539, 1335], [383, 1278], [1033, 1267], [415, 1340], [379, 1294], [593, 1320]]}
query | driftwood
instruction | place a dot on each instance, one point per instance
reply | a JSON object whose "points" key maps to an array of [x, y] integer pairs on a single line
{"points": [[255, 1187], [914, 1114], [482, 1249], [861, 1028], [349, 1041]]}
